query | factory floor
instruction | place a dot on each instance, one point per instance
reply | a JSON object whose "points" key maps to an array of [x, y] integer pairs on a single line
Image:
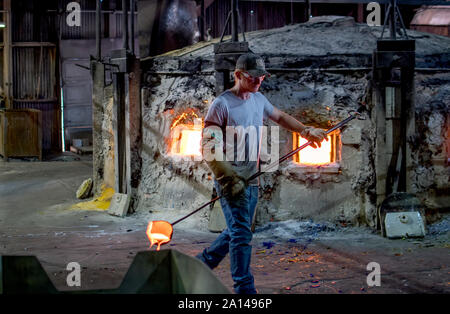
{"points": [[36, 219]]}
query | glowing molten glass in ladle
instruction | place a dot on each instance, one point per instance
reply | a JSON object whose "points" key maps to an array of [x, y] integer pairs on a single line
{"points": [[159, 232]]}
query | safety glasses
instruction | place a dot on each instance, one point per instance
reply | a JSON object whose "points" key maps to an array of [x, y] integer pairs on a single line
{"points": [[251, 77]]}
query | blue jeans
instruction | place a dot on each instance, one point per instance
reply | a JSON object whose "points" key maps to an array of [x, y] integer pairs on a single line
{"points": [[235, 239]]}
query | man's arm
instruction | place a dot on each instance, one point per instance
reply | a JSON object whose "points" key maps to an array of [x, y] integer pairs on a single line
{"points": [[212, 142], [290, 123]]}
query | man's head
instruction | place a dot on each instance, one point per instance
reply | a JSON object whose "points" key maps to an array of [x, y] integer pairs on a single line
{"points": [[250, 72]]}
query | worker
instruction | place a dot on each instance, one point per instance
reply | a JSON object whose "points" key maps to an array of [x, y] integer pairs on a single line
{"points": [[244, 106]]}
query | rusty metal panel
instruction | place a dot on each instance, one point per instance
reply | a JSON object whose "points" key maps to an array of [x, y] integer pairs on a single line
{"points": [[432, 19], [432, 15], [51, 138], [20, 133], [433, 29]]}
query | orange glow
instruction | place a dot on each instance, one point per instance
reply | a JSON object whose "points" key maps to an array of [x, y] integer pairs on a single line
{"points": [[310, 156], [315, 156], [190, 142], [186, 135], [185, 116], [159, 232]]}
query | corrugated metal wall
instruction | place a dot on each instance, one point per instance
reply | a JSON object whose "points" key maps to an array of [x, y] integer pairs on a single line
{"points": [[111, 20], [34, 73], [32, 22], [258, 15], [34, 66], [255, 15], [87, 30], [36, 27], [76, 46]]}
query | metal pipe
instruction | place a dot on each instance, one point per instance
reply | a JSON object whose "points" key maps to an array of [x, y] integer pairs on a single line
{"points": [[132, 25], [125, 24], [98, 29], [393, 20], [234, 20], [202, 20]]}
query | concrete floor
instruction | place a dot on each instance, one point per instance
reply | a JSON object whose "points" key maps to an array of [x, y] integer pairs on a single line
{"points": [[35, 219]]}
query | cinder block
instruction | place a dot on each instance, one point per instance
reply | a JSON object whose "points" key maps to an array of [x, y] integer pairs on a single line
{"points": [[404, 224], [351, 136], [85, 189], [119, 205], [80, 142]]}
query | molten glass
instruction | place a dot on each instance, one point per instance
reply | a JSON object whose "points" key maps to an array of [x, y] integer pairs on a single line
{"points": [[159, 232]]}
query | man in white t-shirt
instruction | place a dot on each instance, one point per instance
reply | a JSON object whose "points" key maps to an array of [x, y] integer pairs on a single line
{"points": [[240, 108]]}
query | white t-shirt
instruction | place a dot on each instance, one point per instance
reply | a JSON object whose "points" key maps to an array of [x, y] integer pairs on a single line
{"points": [[243, 117]]}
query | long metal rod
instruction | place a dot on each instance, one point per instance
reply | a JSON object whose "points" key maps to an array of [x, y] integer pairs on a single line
{"points": [[401, 21], [386, 17], [393, 20], [202, 20], [201, 207], [125, 24], [132, 25], [225, 27], [337, 126], [98, 30], [234, 21]]}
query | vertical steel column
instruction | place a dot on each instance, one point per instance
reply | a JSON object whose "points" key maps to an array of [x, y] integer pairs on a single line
{"points": [[118, 129]]}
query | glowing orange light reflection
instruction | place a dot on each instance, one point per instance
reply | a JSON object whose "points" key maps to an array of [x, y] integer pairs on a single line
{"points": [[186, 135]]}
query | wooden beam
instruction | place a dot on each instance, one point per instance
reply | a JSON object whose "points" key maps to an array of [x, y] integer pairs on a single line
{"points": [[33, 44]]}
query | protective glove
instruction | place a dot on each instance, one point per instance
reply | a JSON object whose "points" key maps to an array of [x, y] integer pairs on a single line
{"points": [[232, 184], [235, 187], [316, 136]]}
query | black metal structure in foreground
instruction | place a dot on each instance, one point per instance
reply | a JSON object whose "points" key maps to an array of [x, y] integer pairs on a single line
{"points": [[152, 272]]}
